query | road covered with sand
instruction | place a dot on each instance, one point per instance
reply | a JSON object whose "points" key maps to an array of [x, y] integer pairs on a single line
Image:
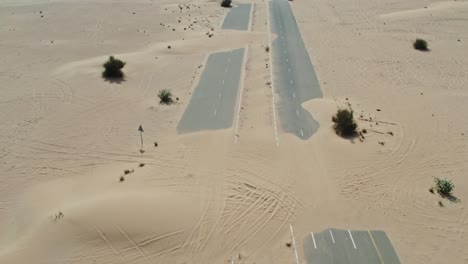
{"points": [[68, 136]]}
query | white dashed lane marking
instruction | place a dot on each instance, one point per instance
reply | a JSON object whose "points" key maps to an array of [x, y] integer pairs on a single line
{"points": [[333, 239], [350, 235], [313, 239]]}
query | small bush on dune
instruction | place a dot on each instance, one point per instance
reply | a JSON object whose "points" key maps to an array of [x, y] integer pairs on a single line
{"points": [[113, 68], [165, 96], [226, 3], [444, 186], [344, 122], [420, 44]]}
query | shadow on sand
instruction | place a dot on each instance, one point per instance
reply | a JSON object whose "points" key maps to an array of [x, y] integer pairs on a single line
{"points": [[450, 197], [117, 80]]}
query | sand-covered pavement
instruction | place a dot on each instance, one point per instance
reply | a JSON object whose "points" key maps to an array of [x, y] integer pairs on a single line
{"points": [[67, 135]]}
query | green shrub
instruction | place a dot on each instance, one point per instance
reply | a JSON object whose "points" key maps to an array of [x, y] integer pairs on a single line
{"points": [[226, 3], [344, 122], [444, 186], [420, 44], [165, 96], [113, 68]]}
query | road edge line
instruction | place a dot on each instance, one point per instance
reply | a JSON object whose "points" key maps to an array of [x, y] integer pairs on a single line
{"points": [[236, 135], [375, 246], [252, 6], [267, 3], [294, 243]]}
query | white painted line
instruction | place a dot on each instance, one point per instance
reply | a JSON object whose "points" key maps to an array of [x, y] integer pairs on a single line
{"points": [[223, 81], [313, 239], [376, 248], [289, 69], [333, 239], [215, 111], [352, 239], [302, 133], [297, 111], [294, 243], [236, 135], [292, 82], [252, 6], [271, 73], [294, 95], [232, 260], [287, 60], [284, 51]]}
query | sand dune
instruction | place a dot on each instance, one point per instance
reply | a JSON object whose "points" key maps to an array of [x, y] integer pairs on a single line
{"points": [[439, 8], [67, 136]]}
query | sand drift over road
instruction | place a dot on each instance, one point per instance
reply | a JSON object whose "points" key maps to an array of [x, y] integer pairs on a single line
{"points": [[296, 81]]}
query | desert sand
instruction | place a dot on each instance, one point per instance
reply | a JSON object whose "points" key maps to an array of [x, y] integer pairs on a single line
{"points": [[67, 135]]}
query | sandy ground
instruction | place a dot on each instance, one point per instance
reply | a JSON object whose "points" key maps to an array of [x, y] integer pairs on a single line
{"points": [[67, 135]]}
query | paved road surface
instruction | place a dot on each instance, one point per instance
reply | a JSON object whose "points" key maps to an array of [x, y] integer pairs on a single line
{"points": [[238, 17], [334, 246], [213, 101], [295, 78]]}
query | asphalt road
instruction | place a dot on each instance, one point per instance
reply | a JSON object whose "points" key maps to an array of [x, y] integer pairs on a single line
{"points": [[213, 101], [335, 246], [238, 17], [295, 79]]}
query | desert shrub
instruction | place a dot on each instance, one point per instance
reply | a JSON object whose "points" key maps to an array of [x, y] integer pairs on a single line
{"points": [[444, 186], [226, 3], [165, 96], [344, 122], [420, 44], [113, 68]]}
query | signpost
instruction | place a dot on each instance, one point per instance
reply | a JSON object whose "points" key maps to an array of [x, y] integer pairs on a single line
{"points": [[141, 136]]}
